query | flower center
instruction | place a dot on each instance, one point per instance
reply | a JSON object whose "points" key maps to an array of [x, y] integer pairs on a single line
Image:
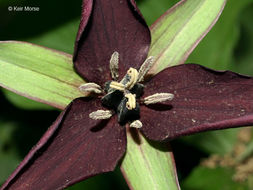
{"points": [[123, 97]]}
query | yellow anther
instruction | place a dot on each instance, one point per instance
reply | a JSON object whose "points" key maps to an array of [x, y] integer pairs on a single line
{"points": [[131, 103], [117, 86], [133, 73]]}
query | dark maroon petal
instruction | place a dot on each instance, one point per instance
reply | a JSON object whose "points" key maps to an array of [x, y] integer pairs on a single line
{"points": [[204, 100], [74, 148], [114, 25]]}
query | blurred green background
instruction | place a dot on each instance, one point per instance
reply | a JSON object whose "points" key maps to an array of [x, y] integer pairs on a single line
{"points": [[229, 45]]}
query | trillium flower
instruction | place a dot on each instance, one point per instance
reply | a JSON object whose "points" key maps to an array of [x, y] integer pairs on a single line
{"points": [[89, 136]]}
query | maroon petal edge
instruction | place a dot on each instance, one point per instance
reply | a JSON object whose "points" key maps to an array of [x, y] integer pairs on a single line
{"points": [[85, 15], [113, 25], [73, 149], [204, 100]]}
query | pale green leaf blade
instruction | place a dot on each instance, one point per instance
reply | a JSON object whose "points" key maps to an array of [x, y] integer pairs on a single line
{"points": [[148, 165], [180, 29], [38, 73]]}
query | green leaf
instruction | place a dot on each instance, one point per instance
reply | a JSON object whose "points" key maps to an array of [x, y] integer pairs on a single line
{"points": [[108, 181], [24, 103], [151, 10], [214, 142], [244, 51], [250, 182], [180, 29], [8, 162], [9, 159], [216, 50], [210, 179], [61, 38], [38, 73], [246, 153], [148, 165]]}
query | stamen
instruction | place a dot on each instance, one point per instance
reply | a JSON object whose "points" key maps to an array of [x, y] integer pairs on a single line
{"points": [[158, 97], [100, 114], [117, 86], [114, 65], [131, 103], [133, 73], [145, 67], [91, 87], [136, 124]]}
